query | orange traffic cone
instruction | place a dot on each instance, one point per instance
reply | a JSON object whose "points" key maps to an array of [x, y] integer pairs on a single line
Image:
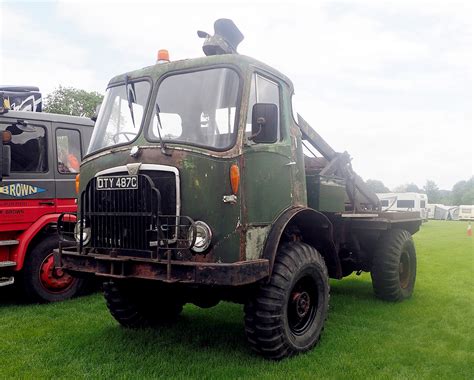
{"points": [[469, 230]]}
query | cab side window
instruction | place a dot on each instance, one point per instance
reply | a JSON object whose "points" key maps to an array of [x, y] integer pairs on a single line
{"points": [[28, 147], [262, 90], [68, 147]]}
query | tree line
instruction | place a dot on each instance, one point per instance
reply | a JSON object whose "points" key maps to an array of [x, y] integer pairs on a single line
{"points": [[462, 192], [72, 101]]}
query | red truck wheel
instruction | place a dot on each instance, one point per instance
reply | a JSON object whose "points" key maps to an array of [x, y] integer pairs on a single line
{"points": [[42, 282]]}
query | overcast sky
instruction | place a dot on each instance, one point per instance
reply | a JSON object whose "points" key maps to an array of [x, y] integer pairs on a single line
{"points": [[388, 81]]}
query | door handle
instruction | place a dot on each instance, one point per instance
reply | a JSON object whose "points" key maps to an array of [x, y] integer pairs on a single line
{"points": [[46, 203]]}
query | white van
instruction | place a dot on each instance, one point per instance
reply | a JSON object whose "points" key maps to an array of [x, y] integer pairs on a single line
{"points": [[405, 202]]}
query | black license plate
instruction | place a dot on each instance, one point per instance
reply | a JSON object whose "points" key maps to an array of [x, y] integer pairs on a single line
{"points": [[122, 182]]}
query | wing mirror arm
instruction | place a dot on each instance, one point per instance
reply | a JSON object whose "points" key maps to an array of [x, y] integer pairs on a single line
{"points": [[264, 123], [261, 122]]}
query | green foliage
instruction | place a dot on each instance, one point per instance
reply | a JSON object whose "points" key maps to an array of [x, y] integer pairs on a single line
{"points": [[412, 188], [427, 337], [72, 101], [432, 192], [444, 198], [468, 197], [462, 192], [377, 186], [407, 188]]}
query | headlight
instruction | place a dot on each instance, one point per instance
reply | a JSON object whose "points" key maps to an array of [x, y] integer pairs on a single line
{"points": [[86, 232], [203, 237]]}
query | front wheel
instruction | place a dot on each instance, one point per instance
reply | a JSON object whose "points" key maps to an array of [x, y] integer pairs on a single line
{"points": [[42, 281], [135, 305], [286, 316], [394, 266]]}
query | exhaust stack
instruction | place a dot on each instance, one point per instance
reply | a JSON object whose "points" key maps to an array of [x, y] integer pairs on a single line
{"points": [[225, 40]]}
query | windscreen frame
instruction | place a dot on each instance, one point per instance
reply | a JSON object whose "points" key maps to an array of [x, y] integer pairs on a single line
{"points": [[237, 119], [144, 118]]}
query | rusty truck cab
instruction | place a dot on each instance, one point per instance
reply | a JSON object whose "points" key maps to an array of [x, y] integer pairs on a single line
{"points": [[198, 177], [177, 181]]}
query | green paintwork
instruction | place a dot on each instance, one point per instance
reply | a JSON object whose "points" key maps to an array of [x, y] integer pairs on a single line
{"points": [[272, 175], [326, 193], [241, 61], [267, 182], [204, 181]]}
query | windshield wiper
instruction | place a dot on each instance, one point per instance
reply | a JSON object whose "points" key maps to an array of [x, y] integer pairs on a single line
{"points": [[129, 100], [163, 147]]}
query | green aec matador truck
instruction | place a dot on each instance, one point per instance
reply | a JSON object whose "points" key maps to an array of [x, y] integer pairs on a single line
{"points": [[201, 185]]}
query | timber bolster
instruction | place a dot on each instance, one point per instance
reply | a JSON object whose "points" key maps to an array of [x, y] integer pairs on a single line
{"points": [[184, 272]]}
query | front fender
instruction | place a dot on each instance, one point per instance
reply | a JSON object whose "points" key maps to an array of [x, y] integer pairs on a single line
{"points": [[27, 236], [315, 228]]}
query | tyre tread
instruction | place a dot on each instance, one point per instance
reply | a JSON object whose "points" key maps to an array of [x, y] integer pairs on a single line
{"points": [[130, 313], [263, 317], [385, 266]]}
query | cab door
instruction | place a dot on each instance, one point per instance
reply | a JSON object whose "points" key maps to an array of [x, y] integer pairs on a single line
{"points": [[29, 192], [267, 174], [68, 152]]}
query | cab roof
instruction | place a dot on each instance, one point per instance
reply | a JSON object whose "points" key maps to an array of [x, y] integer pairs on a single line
{"points": [[243, 62], [45, 116]]}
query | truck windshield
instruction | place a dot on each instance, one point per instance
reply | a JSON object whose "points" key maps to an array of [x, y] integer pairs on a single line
{"points": [[197, 108], [120, 116]]}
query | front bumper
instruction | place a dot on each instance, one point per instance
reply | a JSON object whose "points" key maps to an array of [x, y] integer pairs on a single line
{"points": [[169, 271]]}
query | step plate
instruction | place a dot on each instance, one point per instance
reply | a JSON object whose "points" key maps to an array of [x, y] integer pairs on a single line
{"points": [[6, 264], [8, 242], [5, 281]]}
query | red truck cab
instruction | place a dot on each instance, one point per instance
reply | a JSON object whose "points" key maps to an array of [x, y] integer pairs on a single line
{"points": [[41, 152]]}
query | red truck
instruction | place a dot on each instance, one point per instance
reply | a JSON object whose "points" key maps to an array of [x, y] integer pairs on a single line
{"points": [[39, 160]]}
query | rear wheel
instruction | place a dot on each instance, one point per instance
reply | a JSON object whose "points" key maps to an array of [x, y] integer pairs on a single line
{"points": [[286, 316], [136, 306], [394, 266], [41, 281]]}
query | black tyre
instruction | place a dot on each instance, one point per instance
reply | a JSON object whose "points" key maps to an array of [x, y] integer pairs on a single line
{"points": [[394, 266], [41, 281], [286, 316], [136, 306]]}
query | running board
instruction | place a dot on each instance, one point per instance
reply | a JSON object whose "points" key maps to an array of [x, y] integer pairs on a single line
{"points": [[5, 281], [6, 264], [8, 242]]}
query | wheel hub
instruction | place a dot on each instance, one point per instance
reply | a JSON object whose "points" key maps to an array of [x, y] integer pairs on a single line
{"points": [[302, 303], [54, 279], [404, 270]]}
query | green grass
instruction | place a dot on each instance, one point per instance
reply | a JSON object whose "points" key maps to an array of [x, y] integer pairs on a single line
{"points": [[428, 336]]}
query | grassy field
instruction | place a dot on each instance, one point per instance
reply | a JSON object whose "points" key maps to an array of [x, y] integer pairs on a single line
{"points": [[428, 336]]}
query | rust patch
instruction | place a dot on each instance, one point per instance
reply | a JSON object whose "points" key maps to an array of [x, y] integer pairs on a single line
{"points": [[255, 241], [186, 272]]}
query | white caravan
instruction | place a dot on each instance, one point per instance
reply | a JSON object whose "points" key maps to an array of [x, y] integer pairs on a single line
{"points": [[466, 212], [441, 212], [405, 202], [432, 210]]}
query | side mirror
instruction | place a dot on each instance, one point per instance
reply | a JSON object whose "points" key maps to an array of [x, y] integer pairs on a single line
{"points": [[264, 123], [96, 113]]}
